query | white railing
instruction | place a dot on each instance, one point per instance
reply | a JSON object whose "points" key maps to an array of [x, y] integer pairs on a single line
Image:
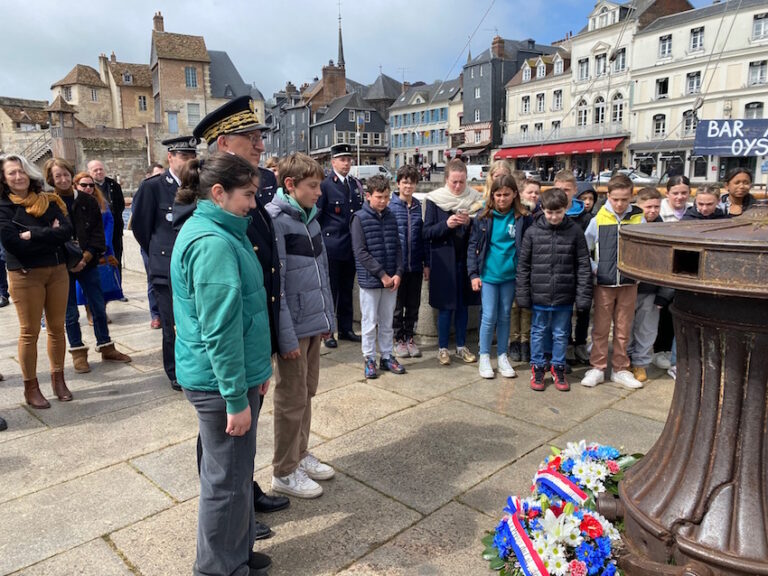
{"points": [[569, 133]]}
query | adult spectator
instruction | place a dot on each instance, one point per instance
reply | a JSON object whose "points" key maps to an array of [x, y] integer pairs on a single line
{"points": [[113, 194], [342, 196], [34, 229], [223, 354], [152, 226], [4, 296]]}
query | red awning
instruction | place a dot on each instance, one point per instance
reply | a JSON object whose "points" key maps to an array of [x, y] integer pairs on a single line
{"points": [[559, 149]]}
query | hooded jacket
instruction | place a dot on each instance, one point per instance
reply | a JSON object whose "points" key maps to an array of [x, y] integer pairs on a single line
{"points": [[579, 214], [410, 225], [693, 214], [603, 237], [306, 305]]}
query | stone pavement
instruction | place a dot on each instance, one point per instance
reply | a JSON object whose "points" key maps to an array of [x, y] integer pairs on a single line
{"points": [[107, 484]]}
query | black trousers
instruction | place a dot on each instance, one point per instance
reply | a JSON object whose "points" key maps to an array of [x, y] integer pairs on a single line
{"points": [[582, 327], [117, 246], [165, 306], [342, 273], [407, 307]]}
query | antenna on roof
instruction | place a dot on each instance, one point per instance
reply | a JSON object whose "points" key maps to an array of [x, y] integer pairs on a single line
{"points": [[402, 71]]}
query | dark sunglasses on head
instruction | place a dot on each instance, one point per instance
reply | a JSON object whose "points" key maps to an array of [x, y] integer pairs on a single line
{"points": [[87, 185]]}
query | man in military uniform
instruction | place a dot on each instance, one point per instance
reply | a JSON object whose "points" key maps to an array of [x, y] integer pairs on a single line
{"points": [[152, 227], [342, 196], [235, 128]]}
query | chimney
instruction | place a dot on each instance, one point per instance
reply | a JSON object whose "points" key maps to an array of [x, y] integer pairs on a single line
{"points": [[290, 88], [497, 47], [112, 57], [157, 22], [531, 44], [406, 85], [103, 68]]}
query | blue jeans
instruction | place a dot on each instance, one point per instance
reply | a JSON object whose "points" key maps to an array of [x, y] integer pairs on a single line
{"points": [[673, 356], [550, 330], [91, 285], [460, 315], [497, 308]]}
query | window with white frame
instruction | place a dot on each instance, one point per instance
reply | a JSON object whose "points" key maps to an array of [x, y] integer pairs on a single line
{"points": [[602, 19], [659, 125], [584, 69], [477, 114], [477, 92], [620, 63], [481, 70], [582, 113], [193, 114], [555, 127], [67, 93], [600, 64], [557, 100], [662, 88], [190, 76], [617, 108], [526, 73], [293, 118], [367, 116], [538, 129], [760, 26], [599, 115], [665, 46], [541, 71], [558, 66], [526, 105], [340, 137], [693, 83], [540, 102], [351, 116], [757, 72], [753, 110], [478, 136], [524, 131], [365, 138], [142, 103], [94, 95], [697, 39], [472, 72], [689, 123], [127, 78]]}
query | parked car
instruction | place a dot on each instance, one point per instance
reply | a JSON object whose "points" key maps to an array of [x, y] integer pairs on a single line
{"points": [[365, 171], [638, 178], [476, 172]]}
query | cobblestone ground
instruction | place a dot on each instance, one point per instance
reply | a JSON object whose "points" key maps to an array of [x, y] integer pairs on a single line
{"points": [[107, 484]]}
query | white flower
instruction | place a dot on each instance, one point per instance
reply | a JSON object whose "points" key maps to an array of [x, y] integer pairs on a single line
{"points": [[557, 566], [608, 528], [540, 545], [559, 528], [574, 450]]}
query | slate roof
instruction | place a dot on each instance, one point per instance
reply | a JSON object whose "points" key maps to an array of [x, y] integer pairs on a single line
{"points": [[81, 74], [25, 111], [224, 75], [171, 46], [548, 60], [140, 73], [435, 92], [256, 93], [337, 106], [384, 88], [701, 13]]}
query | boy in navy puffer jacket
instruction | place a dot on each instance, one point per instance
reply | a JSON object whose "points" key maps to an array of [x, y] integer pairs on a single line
{"points": [[379, 263], [407, 211]]}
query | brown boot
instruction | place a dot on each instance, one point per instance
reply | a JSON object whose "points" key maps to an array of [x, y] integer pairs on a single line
{"points": [[60, 387], [33, 396], [110, 353], [80, 360]]}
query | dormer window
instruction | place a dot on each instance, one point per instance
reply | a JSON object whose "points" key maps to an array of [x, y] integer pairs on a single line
{"points": [[541, 70], [127, 78], [558, 66], [526, 73], [602, 19]]}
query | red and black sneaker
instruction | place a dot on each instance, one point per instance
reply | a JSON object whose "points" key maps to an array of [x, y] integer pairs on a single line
{"points": [[558, 374], [537, 378]]}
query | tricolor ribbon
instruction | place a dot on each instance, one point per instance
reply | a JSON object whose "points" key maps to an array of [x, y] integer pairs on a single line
{"points": [[558, 483], [529, 559]]}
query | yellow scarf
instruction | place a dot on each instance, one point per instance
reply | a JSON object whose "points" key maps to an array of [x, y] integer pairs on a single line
{"points": [[37, 204]]}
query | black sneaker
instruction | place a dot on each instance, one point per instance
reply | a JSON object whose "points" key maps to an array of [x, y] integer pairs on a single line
{"points": [[392, 365], [3, 424], [525, 352], [537, 378], [568, 368], [558, 374], [258, 564], [4, 301], [514, 351]]}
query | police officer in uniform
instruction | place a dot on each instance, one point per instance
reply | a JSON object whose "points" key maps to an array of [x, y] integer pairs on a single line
{"points": [[342, 196], [235, 128], [151, 223]]}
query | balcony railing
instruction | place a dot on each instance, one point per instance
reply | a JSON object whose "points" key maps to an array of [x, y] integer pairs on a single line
{"points": [[606, 130]]}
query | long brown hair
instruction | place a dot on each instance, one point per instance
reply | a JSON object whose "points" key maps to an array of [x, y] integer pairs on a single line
{"points": [[199, 175], [499, 183], [96, 191]]}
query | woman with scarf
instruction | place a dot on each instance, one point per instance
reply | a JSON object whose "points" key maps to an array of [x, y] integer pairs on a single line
{"points": [[446, 227], [34, 228]]}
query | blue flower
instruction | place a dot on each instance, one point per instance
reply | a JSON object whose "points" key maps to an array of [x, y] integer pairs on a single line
{"points": [[601, 453], [591, 556], [579, 514], [567, 466], [545, 490], [502, 539], [535, 525], [610, 570], [604, 545]]}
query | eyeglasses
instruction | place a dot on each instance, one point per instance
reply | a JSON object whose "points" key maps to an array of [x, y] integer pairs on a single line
{"points": [[255, 138], [86, 185]]}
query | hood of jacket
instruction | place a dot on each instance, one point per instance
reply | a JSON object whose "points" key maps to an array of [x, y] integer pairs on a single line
{"points": [[283, 202], [577, 208]]}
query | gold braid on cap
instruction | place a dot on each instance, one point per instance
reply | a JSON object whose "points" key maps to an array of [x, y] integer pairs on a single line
{"points": [[232, 123]]}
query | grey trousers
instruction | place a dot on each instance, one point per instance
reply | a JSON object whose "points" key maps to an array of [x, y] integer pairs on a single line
{"points": [[644, 330], [226, 518]]}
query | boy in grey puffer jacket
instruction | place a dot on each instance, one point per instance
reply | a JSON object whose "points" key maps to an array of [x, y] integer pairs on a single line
{"points": [[306, 314]]}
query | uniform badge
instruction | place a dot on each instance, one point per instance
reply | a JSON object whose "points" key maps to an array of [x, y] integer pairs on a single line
{"points": [[337, 209], [169, 179], [169, 217]]}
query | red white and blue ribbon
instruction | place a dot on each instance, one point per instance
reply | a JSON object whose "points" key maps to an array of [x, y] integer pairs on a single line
{"points": [[561, 485], [529, 559]]}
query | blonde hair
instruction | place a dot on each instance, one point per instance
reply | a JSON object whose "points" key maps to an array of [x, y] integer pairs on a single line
{"points": [[495, 166]]}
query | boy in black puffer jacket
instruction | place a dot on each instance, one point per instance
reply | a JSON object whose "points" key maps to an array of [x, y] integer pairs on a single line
{"points": [[553, 272]]}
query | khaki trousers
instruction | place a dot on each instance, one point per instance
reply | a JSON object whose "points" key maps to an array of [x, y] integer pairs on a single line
{"points": [[520, 324], [34, 291], [612, 305], [295, 386]]}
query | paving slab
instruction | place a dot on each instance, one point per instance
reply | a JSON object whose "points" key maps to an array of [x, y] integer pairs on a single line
{"points": [[40, 525], [627, 432], [174, 469], [429, 454], [41, 460], [94, 558], [446, 543], [324, 535], [426, 379], [20, 423], [652, 401]]}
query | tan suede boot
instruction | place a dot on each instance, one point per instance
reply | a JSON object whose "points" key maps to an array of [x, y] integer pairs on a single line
{"points": [[111, 354], [33, 396], [80, 360], [60, 387]]}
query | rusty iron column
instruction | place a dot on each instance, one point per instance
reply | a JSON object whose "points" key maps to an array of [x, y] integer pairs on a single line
{"points": [[697, 504]]}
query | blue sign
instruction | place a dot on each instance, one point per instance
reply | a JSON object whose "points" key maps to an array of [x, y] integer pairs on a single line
{"points": [[732, 138]]}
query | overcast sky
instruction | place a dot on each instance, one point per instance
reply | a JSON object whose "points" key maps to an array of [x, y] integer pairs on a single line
{"points": [[273, 41]]}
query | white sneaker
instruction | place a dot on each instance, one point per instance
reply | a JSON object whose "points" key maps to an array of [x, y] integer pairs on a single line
{"points": [[662, 360], [297, 484], [626, 379], [672, 372], [485, 368], [316, 469], [505, 368], [593, 377]]}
